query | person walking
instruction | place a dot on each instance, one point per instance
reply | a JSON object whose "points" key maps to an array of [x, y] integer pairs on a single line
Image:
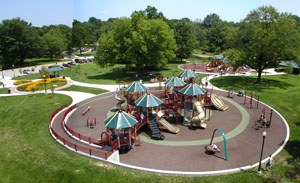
{"points": [[269, 163]]}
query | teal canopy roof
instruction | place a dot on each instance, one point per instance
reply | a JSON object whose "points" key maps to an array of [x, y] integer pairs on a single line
{"points": [[174, 81], [192, 89], [55, 69], [148, 100], [136, 87], [217, 57], [187, 73], [120, 120], [289, 63]]}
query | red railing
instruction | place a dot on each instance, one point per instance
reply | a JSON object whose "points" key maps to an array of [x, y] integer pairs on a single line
{"points": [[56, 111], [75, 146]]}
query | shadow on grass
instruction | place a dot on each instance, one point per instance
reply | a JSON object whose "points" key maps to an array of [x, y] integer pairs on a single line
{"points": [[293, 148], [249, 83], [123, 75]]}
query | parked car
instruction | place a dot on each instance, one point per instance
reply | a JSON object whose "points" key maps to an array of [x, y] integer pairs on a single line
{"points": [[66, 65], [26, 71], [72, 63]]}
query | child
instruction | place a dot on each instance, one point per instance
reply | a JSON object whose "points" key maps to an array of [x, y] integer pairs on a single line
{"points": [[269, 163]]}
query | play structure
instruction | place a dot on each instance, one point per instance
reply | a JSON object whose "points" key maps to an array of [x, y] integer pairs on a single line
{"points": [[264, 120], [180, 103], [86, 110], [213, 147], [216, 65], [91, 122], [252, 100]]}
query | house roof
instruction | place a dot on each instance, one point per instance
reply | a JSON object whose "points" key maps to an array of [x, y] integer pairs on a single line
{"points": [[55, 69], [289, 63]]}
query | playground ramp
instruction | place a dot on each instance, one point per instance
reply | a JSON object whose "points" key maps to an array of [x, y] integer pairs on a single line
{"points": [[169, 126], [201, 115], [218, 103]]}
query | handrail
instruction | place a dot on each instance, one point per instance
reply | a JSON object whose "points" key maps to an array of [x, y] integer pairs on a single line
{"points": [[78, 148]]}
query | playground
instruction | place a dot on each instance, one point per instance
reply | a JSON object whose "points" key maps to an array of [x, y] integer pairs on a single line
{"points": [[183, 133]]}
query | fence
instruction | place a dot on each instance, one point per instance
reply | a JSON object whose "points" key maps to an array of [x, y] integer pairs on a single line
{"points": [[75, 146]]}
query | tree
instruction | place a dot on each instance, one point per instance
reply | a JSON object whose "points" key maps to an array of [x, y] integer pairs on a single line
{"points": [[211, 20], [185, 37], [216, 37], [78, 35], [266, 37], [138, 41], [151, 13], [18, 41], [54, 42]]}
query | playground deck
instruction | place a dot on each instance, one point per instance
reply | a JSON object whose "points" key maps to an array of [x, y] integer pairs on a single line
{"points": [[185, 151]]}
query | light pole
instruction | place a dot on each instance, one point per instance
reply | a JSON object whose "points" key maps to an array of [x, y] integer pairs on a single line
{"points": [[2, 71], [44, 77], [264, 134], [13, 69]]}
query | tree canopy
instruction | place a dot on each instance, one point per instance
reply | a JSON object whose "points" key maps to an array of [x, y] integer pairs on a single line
{"points": [[18, 42], [266, 37], [142, 42], [54, 42], [185, 37]]}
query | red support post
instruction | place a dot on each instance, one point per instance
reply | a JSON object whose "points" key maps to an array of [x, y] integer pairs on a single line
{"points": [[251, 98], [75, 147], [257, 102], [245, 96], [90, 151], [271, 114], [208, 114]]}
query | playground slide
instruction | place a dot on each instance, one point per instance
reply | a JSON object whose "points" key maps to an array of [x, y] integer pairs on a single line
{"points": [[168, 126], [218, 103], [199, 119], [121, 104], [165, 123]]}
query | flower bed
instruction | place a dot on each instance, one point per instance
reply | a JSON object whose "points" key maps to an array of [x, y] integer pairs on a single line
{"points": [[41, 84]]}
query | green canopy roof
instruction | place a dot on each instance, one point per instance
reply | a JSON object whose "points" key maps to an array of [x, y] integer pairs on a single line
{"points": [[148, 100], [289, 63], [174, 81], [187, 73], [192, 89], [136, 87], [120, 120], [55, 69]]}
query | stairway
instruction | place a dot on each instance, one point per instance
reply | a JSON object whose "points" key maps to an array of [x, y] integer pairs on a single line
{"points": [[154, 128]]}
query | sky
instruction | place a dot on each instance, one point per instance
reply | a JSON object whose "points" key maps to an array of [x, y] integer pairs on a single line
{"points": [[47, 12]]}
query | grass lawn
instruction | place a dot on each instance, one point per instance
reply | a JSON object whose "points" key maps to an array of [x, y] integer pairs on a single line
{"points": [[87, 54], [42, 61], [29, 154], [3, 90], [282, 93], [92, 73], [85, 89]]}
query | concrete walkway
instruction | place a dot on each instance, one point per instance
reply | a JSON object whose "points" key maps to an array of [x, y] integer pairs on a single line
{"points": [[76, 96], [80, 96]]}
